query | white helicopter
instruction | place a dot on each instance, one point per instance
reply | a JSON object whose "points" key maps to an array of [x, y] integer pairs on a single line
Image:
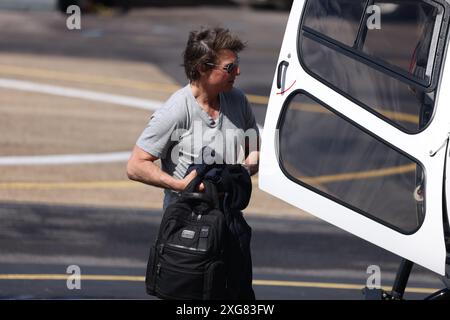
{"points": [[358, 125]]}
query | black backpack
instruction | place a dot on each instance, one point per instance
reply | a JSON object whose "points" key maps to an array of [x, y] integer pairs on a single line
{"points": [[187, 259]]}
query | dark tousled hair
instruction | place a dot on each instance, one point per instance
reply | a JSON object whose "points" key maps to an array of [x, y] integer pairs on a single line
{"points": [[203, 47]]}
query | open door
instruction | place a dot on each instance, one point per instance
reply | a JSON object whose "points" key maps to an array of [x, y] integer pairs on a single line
{"points": [[357, 124]]}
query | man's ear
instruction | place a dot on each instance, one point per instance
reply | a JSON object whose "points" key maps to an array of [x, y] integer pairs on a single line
{"points": [[202, 68]]}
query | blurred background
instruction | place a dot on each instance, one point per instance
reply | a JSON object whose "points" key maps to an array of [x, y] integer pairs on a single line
{"points": [[72, 104]]}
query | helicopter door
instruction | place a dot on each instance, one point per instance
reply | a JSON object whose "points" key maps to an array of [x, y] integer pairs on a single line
{"points": [[356, 121]]}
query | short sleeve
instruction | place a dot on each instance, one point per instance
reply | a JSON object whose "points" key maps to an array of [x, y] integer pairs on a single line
{"points": [[160, 133]]}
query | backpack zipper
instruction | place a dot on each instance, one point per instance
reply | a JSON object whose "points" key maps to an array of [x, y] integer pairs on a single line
{"points": [[189, 249]]}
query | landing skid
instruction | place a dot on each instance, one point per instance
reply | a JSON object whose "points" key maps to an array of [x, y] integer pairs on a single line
{"points": [[399, 287]]}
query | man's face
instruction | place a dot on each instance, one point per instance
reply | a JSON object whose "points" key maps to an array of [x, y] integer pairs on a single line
{"points": [[221, 78]]}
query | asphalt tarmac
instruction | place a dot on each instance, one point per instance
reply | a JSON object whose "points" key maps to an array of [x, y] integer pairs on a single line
{"points": [[292, 259]]}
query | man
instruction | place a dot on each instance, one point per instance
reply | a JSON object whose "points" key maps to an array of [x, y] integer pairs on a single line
{"points": [[208, 112]]}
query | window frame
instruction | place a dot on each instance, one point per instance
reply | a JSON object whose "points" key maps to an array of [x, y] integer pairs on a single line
{"points": [[279, 158], [439, 38]]}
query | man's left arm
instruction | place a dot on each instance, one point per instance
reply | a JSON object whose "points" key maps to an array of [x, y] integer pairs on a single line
{"points": [[252, 162]]}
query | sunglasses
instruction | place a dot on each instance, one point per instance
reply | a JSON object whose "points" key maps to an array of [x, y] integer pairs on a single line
{"points": [[228, 68]]}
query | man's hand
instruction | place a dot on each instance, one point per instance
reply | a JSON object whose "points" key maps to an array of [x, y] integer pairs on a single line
{"points": [[251, 163], [191, 176]]}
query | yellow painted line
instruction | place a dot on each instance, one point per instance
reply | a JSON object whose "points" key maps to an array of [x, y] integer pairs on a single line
{"points": [[330, 285], [69, 185], [65, 277], [130, 184], [93, 79], [273, 283], [359, 175], [76, 185], [324, 285], [167, 88]]}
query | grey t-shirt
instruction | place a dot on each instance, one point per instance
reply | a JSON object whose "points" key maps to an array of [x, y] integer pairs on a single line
{"points": [[178, 132]]}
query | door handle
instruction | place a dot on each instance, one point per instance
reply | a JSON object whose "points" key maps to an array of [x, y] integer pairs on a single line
{"points": [[280, 72]]}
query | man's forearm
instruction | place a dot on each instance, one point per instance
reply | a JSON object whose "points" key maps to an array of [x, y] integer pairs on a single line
{"points": [[149, 173]]}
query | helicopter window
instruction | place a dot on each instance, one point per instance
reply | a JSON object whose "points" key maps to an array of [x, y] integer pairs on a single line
{"points": [[389, 70], [339, 160]]}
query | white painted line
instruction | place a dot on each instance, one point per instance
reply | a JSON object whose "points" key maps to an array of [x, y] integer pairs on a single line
{"points": [[73, 93], [65, 159], [126, 101]]}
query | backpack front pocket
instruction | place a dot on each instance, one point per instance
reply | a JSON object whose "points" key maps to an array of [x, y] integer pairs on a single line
{"points": [[180, 283]]}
